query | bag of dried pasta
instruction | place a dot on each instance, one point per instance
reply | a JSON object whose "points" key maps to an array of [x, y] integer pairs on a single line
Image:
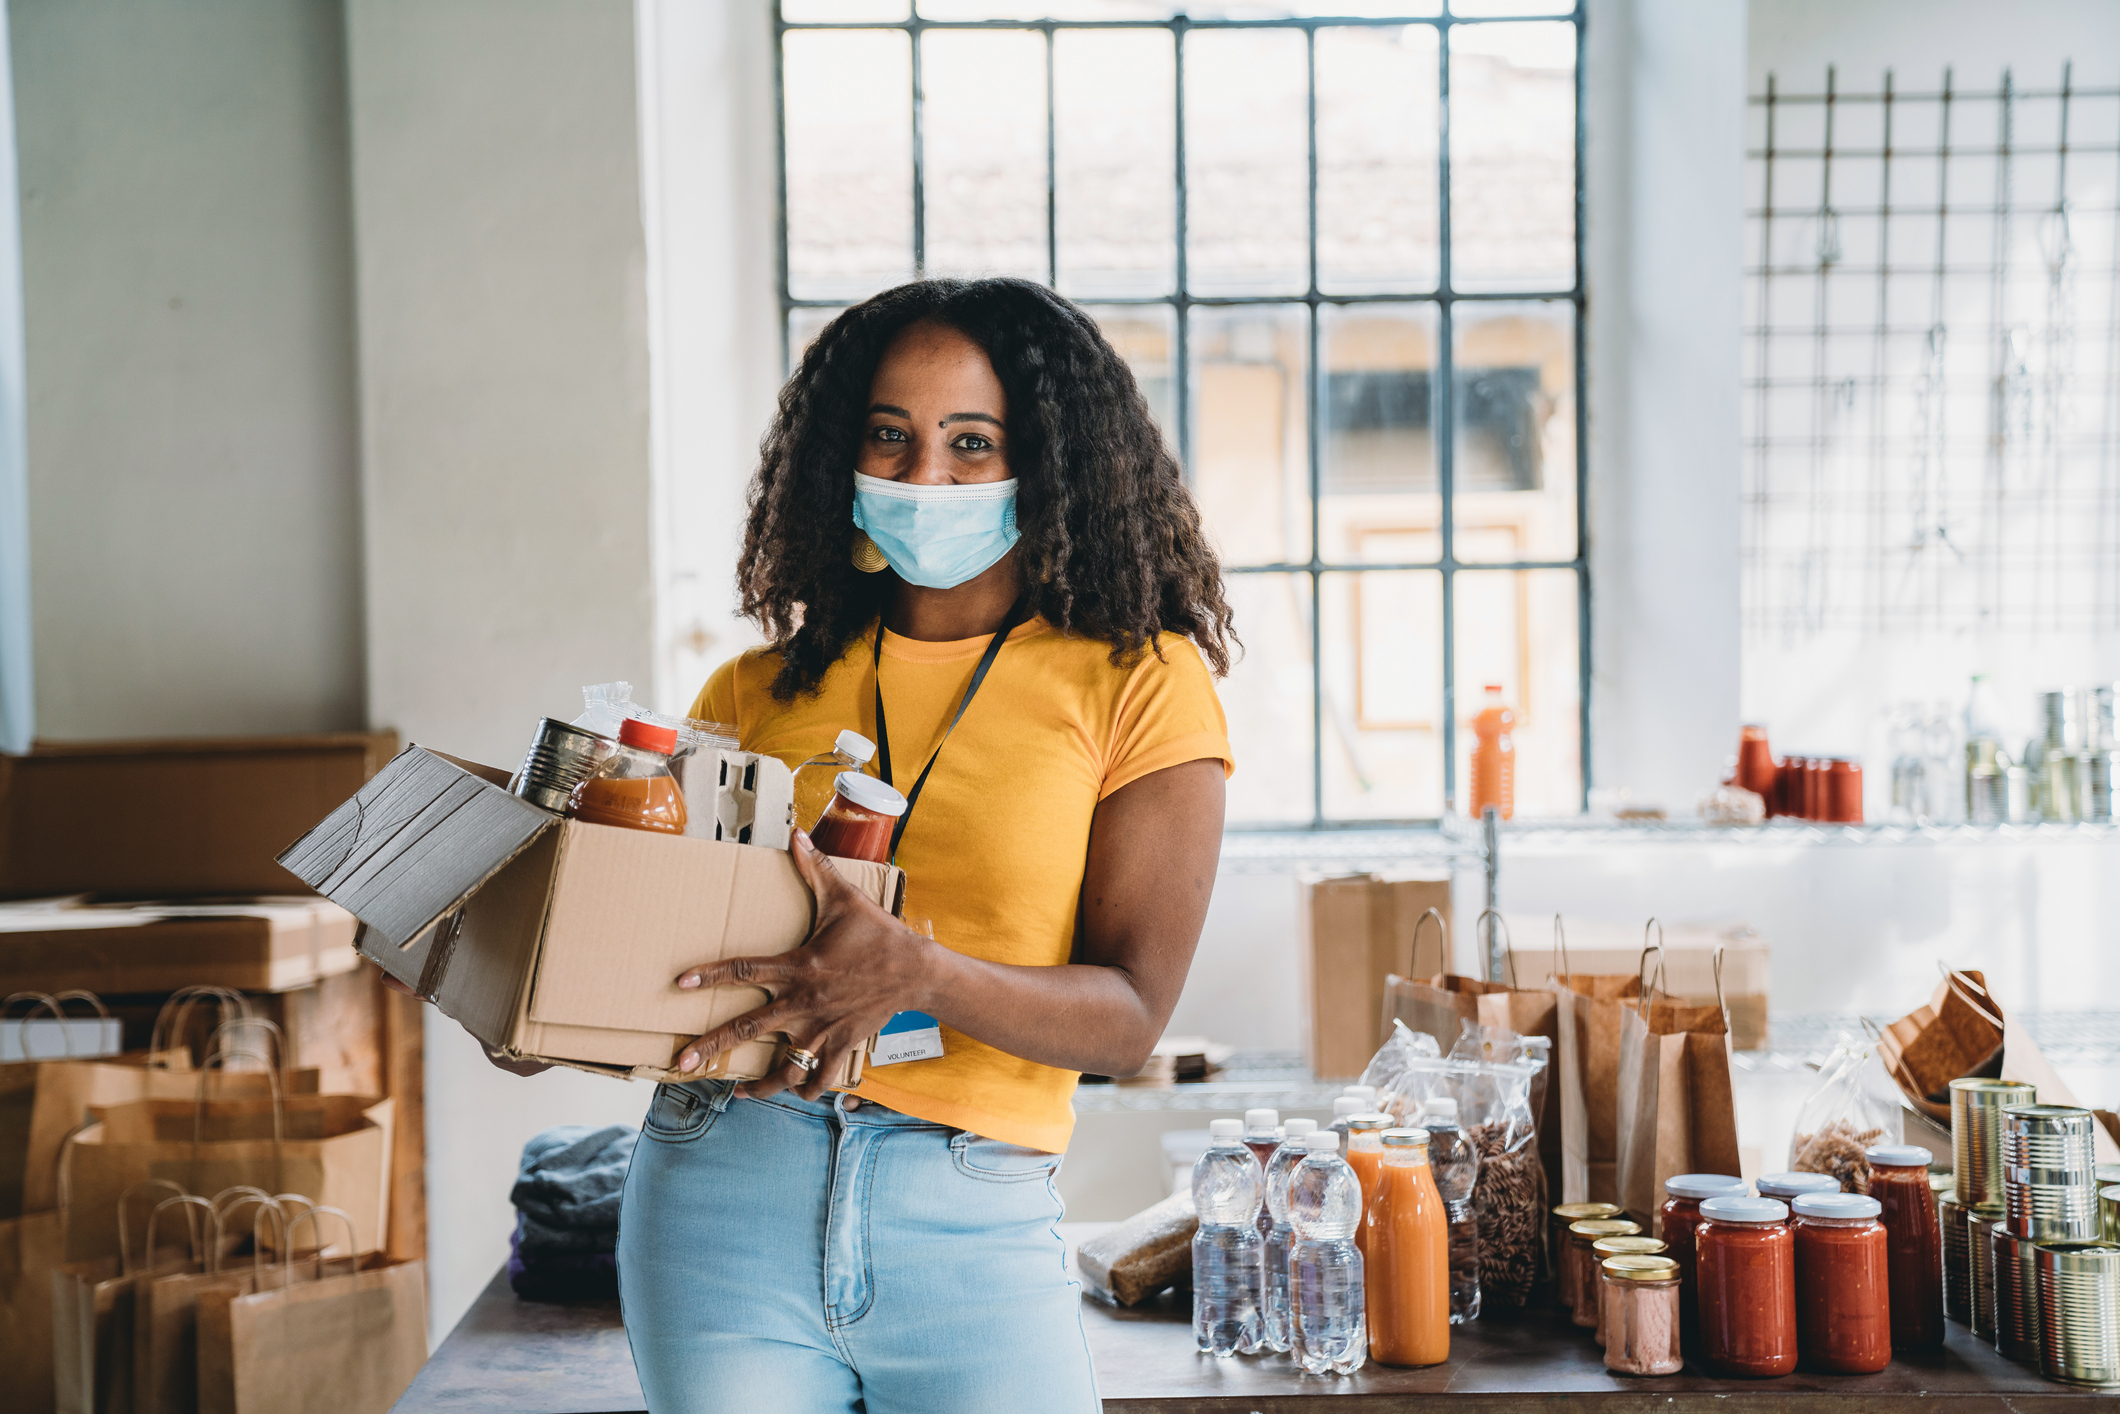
{"points": [[1851, 1108], [1495, 1106], [1400, 1072]]}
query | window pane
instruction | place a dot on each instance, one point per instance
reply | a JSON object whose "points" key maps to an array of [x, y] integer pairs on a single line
{"points": [[1115, 116], [1247, 163], [1163, 9], [1250, 453], [849, 117], [1465, 8], [1517, 629], [1380, 502], [1383, 645], [804, 325], [1377, 146], [1512, 157], [1267, 699], [1146, 336], [985, 160], [1514, 476], [839, 12]]}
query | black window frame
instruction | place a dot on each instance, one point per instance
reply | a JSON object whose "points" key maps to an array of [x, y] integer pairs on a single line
{"points": [[1182, 302]]}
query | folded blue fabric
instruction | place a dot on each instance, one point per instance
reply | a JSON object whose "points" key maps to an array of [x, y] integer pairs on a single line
{"points": [[572, 1178], [560, 1275]]}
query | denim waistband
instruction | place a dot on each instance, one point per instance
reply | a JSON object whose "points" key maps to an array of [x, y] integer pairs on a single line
{"points": [[867, 1112]]}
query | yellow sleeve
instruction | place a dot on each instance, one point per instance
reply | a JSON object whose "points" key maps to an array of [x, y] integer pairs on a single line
{"points": [[717, 700], [1168, 715]]}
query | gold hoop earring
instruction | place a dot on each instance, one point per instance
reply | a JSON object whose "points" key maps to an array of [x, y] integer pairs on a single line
{"points": [[867, 558]]}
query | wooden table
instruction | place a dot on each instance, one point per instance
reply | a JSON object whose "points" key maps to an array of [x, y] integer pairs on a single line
{"points": [[520, 1357]]}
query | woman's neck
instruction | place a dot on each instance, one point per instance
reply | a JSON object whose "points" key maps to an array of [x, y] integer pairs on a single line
{"points": [[978, 606]]}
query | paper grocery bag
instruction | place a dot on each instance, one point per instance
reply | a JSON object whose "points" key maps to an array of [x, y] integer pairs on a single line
{"points": [[1358, 932], [344, 1343], [1588, 1008], [30, 1247], [334, 1149], [1675, 1112]]}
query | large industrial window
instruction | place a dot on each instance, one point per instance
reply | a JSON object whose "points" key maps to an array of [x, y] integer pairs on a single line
{"points": [[1301, 228]]}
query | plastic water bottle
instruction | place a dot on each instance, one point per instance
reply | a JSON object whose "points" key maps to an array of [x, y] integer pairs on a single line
{"points": [[1279, 1235], [1344, 1107], [1457, 1167], [1328, 1326], [1225, 1250], [812, 784]]}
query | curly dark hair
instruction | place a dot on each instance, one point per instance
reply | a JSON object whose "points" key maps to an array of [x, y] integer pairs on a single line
{"points": [[1111, 542]]}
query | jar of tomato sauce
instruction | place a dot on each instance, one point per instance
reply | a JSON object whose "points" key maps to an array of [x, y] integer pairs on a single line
{"points": [[1746, 1269], [859, 821], [1843, 1310], [1899, 1181], [1675, 1221]]}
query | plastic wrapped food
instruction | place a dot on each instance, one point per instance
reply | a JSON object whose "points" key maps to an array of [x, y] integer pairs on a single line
{"points": [[1128, 1263], [1851, 1108]]}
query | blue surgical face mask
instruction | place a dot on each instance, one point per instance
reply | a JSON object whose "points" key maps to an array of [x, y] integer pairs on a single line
{"points": [[937, 536]]}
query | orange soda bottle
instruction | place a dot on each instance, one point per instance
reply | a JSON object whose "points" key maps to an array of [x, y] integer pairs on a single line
{"points": [[1493, 757]]}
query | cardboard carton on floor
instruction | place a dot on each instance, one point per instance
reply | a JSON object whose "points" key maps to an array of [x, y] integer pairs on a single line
{"points": [[558, 940]]}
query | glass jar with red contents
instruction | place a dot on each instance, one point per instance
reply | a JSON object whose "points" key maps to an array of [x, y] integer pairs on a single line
{"points": [[859, 821], [1745, 1257], [1843, 1310], [1843, 789], [1899, 1181], [1675, 1222], [1755, 765]]}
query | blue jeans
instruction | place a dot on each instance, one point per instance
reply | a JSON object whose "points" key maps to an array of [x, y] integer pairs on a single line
{"points": [[786, 1255]]}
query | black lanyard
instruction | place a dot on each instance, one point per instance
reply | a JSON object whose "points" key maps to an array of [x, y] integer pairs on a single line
{"points": [[971, 690]]}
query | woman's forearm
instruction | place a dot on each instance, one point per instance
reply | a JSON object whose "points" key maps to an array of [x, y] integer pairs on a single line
{"points": [[1075, 1017]]}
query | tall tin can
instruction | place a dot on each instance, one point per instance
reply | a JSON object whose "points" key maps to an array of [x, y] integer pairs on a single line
{"points": [[2079, 1312], [2017, 1325], [1980, 1279], [2109, 1212], [2049, 1173], [1976, 1134], [1951, 1219]]}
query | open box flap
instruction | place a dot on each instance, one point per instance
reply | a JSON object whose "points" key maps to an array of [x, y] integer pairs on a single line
{"points": [[414, 843]]}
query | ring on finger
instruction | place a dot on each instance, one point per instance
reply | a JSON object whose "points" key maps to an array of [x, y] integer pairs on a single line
{"points": [[802, 1060]]}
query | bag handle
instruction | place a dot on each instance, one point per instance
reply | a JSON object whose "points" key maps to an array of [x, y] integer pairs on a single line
{"points": [[198, 1116], [1960, 983], [1642, 972], [314, 1217], [43, 1001], [188, 1202], [217, 1044], [124, 1236], [1560, 950], [1508, 943], [262, 1206], [1443, 928], [1721, 1005], [174, 1018]]}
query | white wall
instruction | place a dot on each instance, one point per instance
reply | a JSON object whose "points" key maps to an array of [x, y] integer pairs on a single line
{"points": [[194, 506]]}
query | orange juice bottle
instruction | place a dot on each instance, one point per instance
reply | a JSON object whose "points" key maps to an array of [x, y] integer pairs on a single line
{"points": [[633, 789], [1408, 1257], [1365, 1155], [1493, 758]]}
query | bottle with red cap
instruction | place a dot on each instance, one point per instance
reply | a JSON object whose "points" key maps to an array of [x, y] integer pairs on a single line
{"points": [[633, 789]]}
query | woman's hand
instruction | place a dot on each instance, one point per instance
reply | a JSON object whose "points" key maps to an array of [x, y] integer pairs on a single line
{"points": [[859, 966]]}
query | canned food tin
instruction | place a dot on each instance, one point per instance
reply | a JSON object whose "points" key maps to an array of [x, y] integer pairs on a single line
{"points": [[2109, 1211], [2048, 1212], [2017, 1327], [1980, 1280], [2094, 770], [560, 757], [2049, 1144], [2079, 1312], [1951, 1217], [1976, 1134]]}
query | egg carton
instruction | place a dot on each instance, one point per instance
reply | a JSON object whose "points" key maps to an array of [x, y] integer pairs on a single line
{"points": [[740, 796]]}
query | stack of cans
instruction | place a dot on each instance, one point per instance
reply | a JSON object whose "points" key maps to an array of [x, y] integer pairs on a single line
{"points": [[1970, 1215], [2057, 1284]]}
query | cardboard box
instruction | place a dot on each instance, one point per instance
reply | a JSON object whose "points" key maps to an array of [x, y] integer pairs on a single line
{"points": [[170, 819], [553, 939], [1615, 949], [255, 945], [1358, 931]]}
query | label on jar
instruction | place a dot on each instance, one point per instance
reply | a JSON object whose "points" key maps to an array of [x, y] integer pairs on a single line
{"points": [[907, 1036]]}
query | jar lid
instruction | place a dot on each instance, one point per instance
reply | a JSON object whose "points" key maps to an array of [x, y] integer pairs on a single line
{"points": [[1629, 1246], [1641, 1268], [1788, 1185], [1605, 1227], [1736, 1208], [1835, 1205], [1899, 1155], [1366, 1122], [647, 736], [1576, 1212], [869, 793], [1405, 1138], [1702, 1185]]}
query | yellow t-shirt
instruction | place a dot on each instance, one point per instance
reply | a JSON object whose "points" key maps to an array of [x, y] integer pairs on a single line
{"points": [[995, 851]]}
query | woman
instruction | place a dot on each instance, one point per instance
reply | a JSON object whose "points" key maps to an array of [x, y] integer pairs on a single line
{"points": [[1017, 610]]}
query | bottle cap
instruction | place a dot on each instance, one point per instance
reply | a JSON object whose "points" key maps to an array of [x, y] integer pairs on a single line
{"points": [[1261, 1119], [1221, 1129], [854, 744], [1899, 1155], [1441, 1107], [1322, 1141], [1702, 1185], [1736, 1208], [1367, 1092], [1405, 1138], [1297, 1128], [1366, 1122], [647, 736], [1345, 1105], [1836, 1205], [869, 793], [1788, 1185]]}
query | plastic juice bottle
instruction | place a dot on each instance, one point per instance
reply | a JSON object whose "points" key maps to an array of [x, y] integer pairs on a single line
{"points": [[1408, 1257], [815, 777], [1365, 1155], [1494, 757], [1225, 1249], [633, 789], [1279, 1235], [1328, 1328]]}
